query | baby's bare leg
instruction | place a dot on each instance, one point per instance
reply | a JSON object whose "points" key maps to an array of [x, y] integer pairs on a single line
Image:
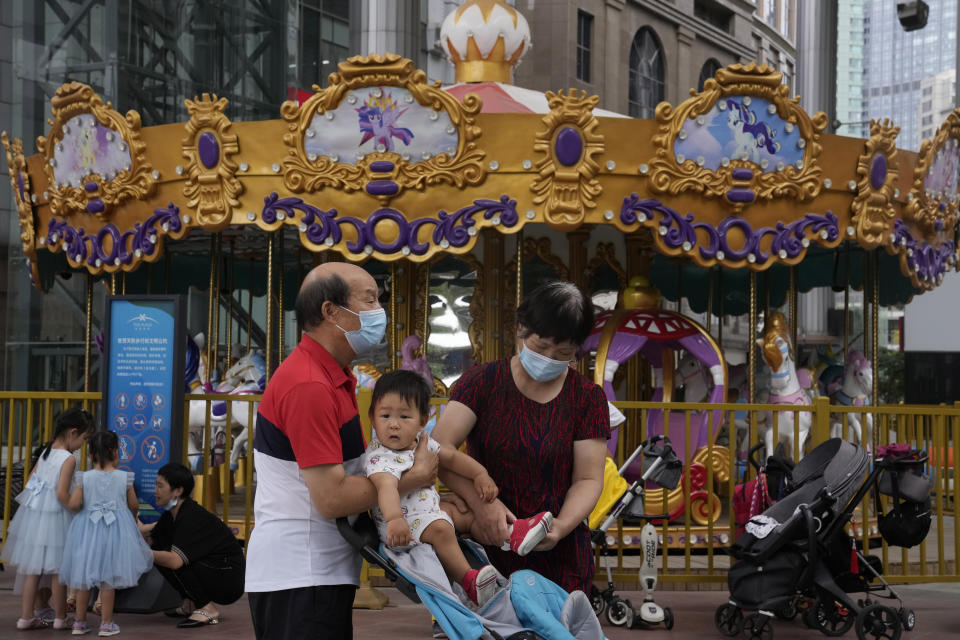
{"points": [[462, 522], [441, 535]]}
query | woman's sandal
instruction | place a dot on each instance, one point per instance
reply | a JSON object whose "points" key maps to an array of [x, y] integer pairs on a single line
{"points": [[191, 623], [24, 624]]}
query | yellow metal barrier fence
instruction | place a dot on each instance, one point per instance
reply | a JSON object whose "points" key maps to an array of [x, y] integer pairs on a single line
{"points": [[26, 422], [692, 543]]}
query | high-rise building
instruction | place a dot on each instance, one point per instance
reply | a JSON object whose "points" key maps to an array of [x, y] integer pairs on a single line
{"points": [[142, 56], [897, 62], [850, 69]]}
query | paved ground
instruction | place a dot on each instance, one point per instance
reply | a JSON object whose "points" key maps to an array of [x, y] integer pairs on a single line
{"points": [[937, 607]]}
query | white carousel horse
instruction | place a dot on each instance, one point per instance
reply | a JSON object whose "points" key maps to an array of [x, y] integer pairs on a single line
{"points": [[691, 376], [854, 391], [245, 377], [786, 387]]}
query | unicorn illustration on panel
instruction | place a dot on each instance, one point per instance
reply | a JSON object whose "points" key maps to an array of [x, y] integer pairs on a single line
{"points": [[378, 119], [749, 134], [786, 385]]}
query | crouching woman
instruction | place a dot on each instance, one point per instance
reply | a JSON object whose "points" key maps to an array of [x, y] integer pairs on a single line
{"points": [[194, 550]]}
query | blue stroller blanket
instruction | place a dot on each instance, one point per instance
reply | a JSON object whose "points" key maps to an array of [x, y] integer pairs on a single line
{"points": [[527, 601]]}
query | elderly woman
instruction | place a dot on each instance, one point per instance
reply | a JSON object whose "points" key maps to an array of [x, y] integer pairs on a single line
{"points": [[194, 550], [540, 429]]}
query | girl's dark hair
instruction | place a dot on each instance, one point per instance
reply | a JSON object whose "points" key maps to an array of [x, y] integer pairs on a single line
{"points": [[408, 385], [71, 418], [102, 446], [557, 310], [177, 476]]}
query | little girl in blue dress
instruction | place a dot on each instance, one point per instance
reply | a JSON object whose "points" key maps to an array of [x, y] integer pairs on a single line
{"points": [[104, 547], [36, 536]]}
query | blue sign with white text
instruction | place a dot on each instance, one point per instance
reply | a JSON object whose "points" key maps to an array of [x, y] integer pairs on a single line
{"points": [[140, 389]]}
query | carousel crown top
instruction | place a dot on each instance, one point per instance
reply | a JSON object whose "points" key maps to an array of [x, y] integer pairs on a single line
{"points": [[485, 39], [381, 164]]}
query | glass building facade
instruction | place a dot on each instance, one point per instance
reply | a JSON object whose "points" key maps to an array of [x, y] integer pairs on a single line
{"points": [[149, 56], [896, 62]]}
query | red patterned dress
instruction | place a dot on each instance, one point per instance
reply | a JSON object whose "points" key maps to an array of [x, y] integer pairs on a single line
{"points": [[527, 448]]}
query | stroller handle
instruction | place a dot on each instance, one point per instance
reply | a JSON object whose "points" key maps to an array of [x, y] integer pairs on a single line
{"points": [[753, 451]]}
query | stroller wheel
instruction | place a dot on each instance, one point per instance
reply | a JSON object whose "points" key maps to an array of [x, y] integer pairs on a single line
{"points": [[597, 601], [619, 613], [728, 620], [759, 627], [878, 622], [787, 611], [832, 620], [908, 619], [667, 618]]}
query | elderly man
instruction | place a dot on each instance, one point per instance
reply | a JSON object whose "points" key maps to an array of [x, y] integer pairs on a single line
{"points": [[301, 574]]}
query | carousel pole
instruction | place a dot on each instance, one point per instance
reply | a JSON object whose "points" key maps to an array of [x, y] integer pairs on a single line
{"points": [[269, 305], [123, 283], [792, 300], [394, 350], [210, 288], [709, 321], [426, 306], [113, 284], [875, 326], [87, 331], [720, 309], [230, 309], [751, 341], [250, 306], [846, 308], [519, 269], [281, 345], [216, 302]]}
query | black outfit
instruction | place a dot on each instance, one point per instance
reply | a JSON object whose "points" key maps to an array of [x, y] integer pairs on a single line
{"points": [[323, 611], [213, 564]]}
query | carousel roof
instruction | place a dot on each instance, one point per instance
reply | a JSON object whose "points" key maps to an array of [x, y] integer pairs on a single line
{"points": [[500, 97], [379, 163]]}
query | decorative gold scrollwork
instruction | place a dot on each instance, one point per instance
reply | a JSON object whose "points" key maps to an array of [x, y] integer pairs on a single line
{"points": [[674, 174], [20, 183], [93, 182], [211, 187], [566, 174], [877, 171], [933, 202], [459, 166]]}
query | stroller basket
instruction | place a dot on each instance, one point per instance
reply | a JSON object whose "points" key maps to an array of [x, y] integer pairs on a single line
{"points": [[902, 478]]}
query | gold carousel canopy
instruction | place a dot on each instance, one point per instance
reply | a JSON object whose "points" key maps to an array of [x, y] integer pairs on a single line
{"points": [[381, 164]]}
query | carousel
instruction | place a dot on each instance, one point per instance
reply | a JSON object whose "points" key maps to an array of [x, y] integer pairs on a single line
{"points": [[461, 199]]}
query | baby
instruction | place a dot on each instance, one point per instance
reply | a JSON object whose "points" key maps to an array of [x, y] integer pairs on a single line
{"points": [[399, 410]]}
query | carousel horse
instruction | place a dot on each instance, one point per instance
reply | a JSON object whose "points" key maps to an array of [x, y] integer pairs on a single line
{"points": [[410, 362], [853, 391], [245, 377], [419, 365], [788, 386]]}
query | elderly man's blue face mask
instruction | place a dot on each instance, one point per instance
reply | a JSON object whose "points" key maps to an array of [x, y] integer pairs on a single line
{"points": [[373, 325]]}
